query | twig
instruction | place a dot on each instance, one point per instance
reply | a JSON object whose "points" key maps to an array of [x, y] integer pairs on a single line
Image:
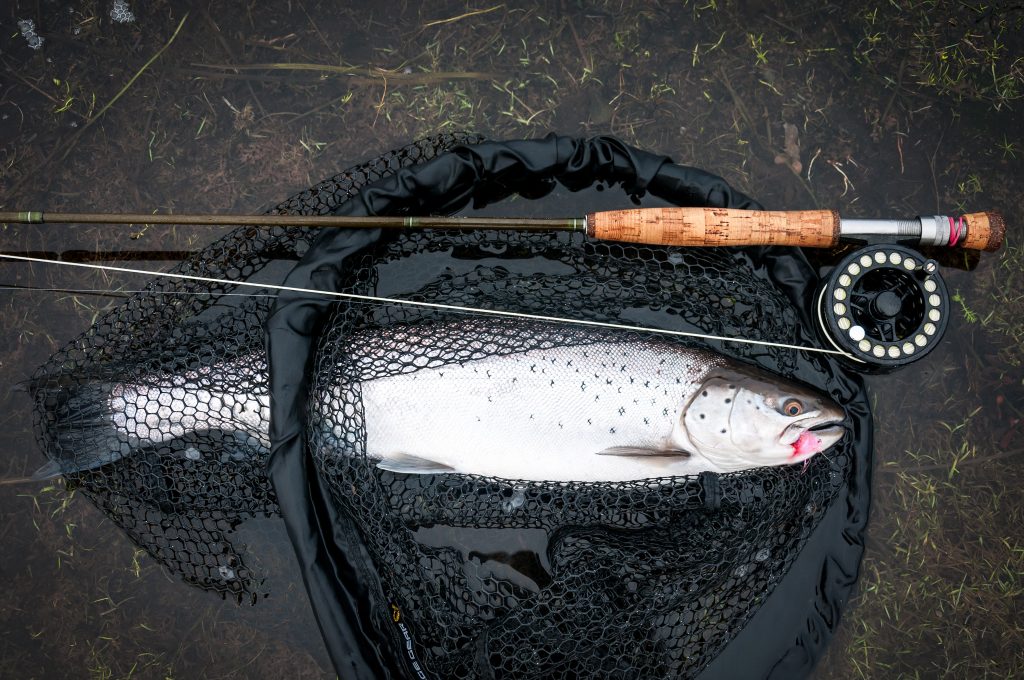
{"points": [[588, 62], [259, 78], [740, 106], [78, 135], [810, 165], [371, 72], [231, 56], [438, 22], [931, 166], [745, 115], [319, 33], [895, 91], [35, 87], [131, 81], [847, 184]]}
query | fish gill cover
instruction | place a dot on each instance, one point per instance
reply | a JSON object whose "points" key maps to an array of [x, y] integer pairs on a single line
{"points": [[161, 413]]}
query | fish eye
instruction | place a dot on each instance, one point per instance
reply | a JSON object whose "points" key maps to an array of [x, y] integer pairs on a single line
{"points": [[792, 407]]}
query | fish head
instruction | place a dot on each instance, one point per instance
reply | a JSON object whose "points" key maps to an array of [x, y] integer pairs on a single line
{"points": [[741, 419]]}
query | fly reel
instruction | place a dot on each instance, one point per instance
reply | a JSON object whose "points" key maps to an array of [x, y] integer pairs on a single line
{"points": [[884, 305]]}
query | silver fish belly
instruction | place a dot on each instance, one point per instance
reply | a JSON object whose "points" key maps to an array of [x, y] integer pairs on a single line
{"points": [[602, 410], [544, 414]]}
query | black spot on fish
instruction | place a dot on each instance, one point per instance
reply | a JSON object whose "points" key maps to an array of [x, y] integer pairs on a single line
{"points": [[723, 430], [589, 421], [702, 416], [611, 430], [664, 411], [704, 393], [622, 411], [732, 387], [728, 401]]}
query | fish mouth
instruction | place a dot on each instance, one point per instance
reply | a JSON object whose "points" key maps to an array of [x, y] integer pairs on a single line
{"points": [[826, 427], [828, 431]]}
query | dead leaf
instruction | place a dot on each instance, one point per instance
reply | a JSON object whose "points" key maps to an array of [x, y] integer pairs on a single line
{"points": [[791, 152]]}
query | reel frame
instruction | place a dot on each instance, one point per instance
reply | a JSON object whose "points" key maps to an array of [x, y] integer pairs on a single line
{"points": [[883, 306]]}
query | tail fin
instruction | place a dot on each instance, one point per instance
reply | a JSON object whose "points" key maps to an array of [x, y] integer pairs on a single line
{"points": [[77, 427]]}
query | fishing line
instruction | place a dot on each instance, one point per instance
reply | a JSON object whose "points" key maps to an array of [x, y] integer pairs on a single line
{"points": [[125, 293], [426, 305]]}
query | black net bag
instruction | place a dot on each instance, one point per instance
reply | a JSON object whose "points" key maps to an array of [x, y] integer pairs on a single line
{"points": [[181, 498], [419, 569]]}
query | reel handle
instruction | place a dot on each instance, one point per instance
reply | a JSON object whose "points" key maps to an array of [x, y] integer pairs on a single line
{"points": [[808, 228], [985, 231]]}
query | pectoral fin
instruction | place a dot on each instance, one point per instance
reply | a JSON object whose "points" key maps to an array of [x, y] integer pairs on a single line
{"points": [[413, 465], [643, 452]]}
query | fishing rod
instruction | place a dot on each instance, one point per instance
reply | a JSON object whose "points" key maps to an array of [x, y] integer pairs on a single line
{"points": [[885, 306], [652, 226]]}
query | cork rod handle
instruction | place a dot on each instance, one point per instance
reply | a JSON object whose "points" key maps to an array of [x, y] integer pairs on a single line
{"points": [[716, 227]]}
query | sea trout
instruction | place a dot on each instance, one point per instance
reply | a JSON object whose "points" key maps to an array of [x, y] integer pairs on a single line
{"points": [[614, 408]]}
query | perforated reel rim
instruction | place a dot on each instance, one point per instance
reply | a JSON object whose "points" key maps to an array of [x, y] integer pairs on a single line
{"points": [[835, 312]]}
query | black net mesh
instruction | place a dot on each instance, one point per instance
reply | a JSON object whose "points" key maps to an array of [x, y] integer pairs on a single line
{"points": [[642, 579], [180, 499], [494, 577]]}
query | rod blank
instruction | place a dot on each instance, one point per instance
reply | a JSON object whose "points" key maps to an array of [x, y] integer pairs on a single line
{"points": [[326, 221]]}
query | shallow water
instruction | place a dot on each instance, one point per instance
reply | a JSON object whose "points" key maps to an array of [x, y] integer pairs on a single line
{"points": [[898, 112]]}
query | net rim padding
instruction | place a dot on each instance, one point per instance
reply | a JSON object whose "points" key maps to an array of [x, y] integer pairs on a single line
{"points": [[359, 640], [144, 336]]}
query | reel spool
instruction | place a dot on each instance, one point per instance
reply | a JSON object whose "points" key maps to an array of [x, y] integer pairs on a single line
{"points": [[884, 305]]}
